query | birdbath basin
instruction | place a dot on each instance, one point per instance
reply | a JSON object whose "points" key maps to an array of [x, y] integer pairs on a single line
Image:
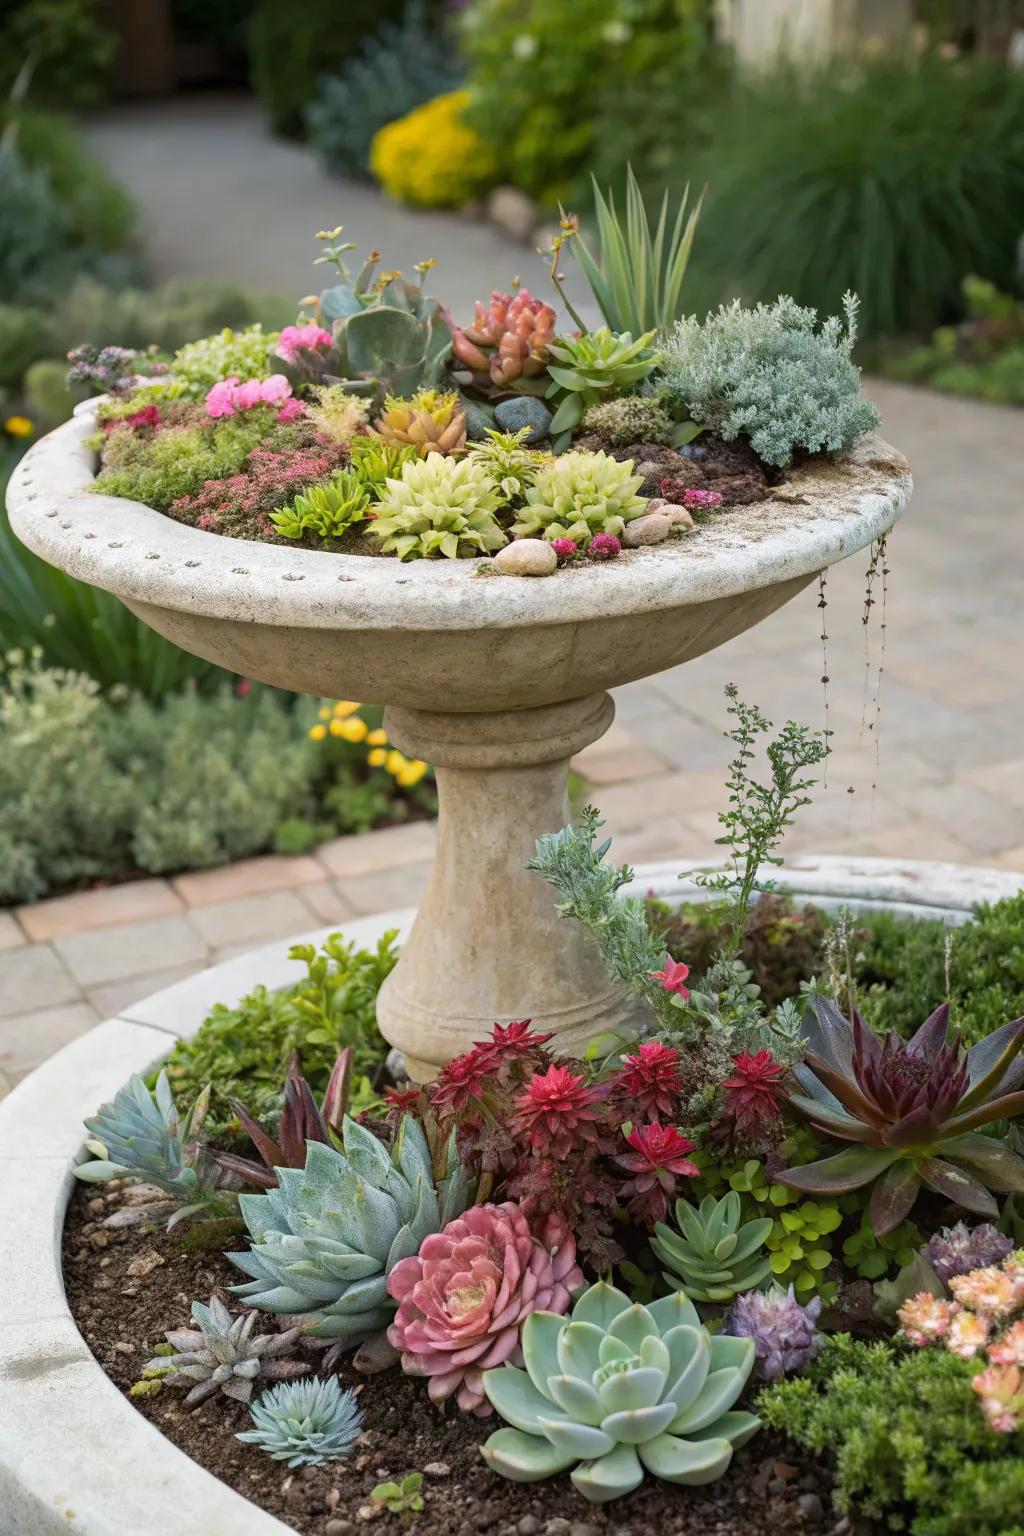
{"points": [[495, 680]]}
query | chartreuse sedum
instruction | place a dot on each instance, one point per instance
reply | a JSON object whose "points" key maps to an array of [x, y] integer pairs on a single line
{"points": [[616, 1390], [326, 1239]]}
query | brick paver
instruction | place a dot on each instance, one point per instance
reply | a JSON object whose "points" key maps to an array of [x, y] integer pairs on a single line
{"points": [[943, 776]]}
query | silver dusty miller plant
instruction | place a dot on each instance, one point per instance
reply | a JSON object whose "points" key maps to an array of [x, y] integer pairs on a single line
{"points": [[768, 374]]}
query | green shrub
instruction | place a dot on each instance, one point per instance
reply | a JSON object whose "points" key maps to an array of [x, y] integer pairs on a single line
{"points": [[289, 47], [542, 76], [71, 49], [243, 1051], [167, 317], [767, 373], [781, 946], [893, 181], [102, 214], [34, 225], [987, 969], [24, 339], [67, 812], [983, 356], [910, 1445], [401, 66]]}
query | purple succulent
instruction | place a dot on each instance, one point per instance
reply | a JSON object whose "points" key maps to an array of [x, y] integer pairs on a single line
{"points": [[957, 1250], [784, 1332]]}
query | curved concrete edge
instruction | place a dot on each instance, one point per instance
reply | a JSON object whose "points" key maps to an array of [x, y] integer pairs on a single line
{"points": [[828, 511], [74, 1453]]}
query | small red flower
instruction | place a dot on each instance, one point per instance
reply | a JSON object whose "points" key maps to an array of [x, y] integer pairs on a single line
{"points": [[651, 1079], [752, 1092], [555, 1109], [149, 416], [658, 1158], [673, 977]]}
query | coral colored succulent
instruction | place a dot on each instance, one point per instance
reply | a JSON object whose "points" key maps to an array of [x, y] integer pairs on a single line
{"points": [[784, 1331], [914, 1109], [658, 1158], [1001, 1389], [968, 1333], [506, 341], [994, 1292], [432, 421], [1008, 1349], [462, 1300], [925, 1318], [650, 1080]]}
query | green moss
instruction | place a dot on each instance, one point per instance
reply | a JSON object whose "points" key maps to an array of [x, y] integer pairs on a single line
{"points": [[178, 461], [910, 1446]]}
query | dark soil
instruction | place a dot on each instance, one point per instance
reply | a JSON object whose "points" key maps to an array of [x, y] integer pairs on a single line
{"points": [[707, 464], [126, 1286]]}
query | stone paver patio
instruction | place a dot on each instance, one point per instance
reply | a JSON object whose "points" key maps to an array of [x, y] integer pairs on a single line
{"points": [[949, 774]]}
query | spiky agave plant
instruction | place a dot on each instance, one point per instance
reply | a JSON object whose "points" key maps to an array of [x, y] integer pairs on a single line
{"points": [[143, 1137], [326, 1239], [619, 1389], [914, 1109]]}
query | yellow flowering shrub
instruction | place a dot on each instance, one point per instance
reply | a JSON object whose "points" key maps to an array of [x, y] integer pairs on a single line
{"points": [[431, 156], [343, 721]]}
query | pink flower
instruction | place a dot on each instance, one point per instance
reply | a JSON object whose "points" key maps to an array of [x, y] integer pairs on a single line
{"points": [[924, 1319], [673, 977], [604, 546], [294, 337], [246, 395], [463, 1299], [290, 411], [220, 401], [149, 416], [752, 1092], [692, 497], [564, 549], [275, 390]]}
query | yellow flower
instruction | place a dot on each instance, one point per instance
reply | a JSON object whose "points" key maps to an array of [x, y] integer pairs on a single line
{"points": [[377, 758], [377, 738], [411, 773], [395, 761], [324, 713], [353, 729], [345, 707], [317, 732], [18, 426], [431, 156]]}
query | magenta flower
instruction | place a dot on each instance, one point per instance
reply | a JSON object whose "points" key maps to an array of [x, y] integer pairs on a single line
{"points": [[294, 337], [275, 390], [220, 401], [673, 977], [463, 1299], [604, 546], [290, 411], [564, 549], [705, 500]]}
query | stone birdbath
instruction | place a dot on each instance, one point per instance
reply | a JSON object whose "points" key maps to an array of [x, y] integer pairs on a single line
{"points": [[495, 680]]}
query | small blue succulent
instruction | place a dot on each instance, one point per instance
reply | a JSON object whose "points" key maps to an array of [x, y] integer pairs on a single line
{"points": [[306, 1423]]}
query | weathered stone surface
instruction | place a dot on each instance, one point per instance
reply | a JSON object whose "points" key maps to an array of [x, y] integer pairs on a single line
{"points": [[130, 903], [524, 411], [679, 517], [526, 557], [513, 212], [652, 528]]}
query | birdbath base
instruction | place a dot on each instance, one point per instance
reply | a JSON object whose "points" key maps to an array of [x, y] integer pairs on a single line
{"points": [[487, 945]]}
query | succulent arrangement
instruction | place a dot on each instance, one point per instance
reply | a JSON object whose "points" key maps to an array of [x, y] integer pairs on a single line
{"points": [[617, 1390], [316, 434]]}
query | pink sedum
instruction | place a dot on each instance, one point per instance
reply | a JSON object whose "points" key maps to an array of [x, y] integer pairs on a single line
{"points": [[968, 1333], [296, 337], [924, 1319], [463, 1299]]}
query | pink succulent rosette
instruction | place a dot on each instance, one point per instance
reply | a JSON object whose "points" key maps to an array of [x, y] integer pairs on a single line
{"points": [[463, 1299]]}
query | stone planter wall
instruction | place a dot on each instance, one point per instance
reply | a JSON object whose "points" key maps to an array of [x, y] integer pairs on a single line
{"points": [[74, 1454]]}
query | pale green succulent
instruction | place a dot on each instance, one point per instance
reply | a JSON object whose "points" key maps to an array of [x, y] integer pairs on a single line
{"points": [[327, 511], [713, 1257], [510, 464], [221, 1355], [440, 506], [142, 1137], [580, 494], [592, 367], [326, 1239], [306, 1423], [618, 1389], [375, 460]]}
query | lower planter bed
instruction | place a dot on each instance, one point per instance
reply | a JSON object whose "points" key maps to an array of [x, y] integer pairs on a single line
{"points": [[75, 1454]]}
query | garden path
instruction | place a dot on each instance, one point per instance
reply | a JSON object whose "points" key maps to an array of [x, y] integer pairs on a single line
{"points": [[220, 197]]}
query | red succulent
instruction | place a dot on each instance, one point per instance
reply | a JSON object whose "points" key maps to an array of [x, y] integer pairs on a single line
{"points": [[752, 1093], [658, 1158], [462, 1082], [556, 1109], [650, 1080]]}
